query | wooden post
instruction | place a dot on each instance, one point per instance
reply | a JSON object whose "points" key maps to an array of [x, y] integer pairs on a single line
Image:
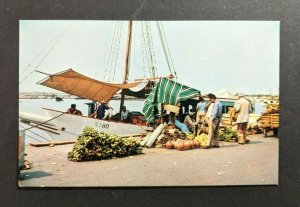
{"points": [[126, 63], [265, 132], [161, 110]]}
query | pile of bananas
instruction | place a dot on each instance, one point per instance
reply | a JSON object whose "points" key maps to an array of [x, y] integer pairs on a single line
{"points": [[94, 145], [202, 139], [202, 129], [190, 136], [227, 134]]}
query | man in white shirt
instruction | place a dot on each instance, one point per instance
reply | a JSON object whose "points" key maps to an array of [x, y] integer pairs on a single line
{"points": [[243, 109], [124, 114]]}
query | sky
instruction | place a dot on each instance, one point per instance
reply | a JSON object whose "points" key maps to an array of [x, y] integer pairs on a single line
{"points": [[241, 56]]}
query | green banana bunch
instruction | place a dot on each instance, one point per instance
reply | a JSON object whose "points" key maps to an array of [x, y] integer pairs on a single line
{"points": [[94, 145]]}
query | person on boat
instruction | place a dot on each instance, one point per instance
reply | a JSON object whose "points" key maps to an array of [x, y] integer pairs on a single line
{"points": [[73, 110], [104, 111], [124, 114], [242, 109]]}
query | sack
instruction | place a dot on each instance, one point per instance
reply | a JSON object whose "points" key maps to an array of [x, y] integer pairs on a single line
{"points": [[233, 115]]}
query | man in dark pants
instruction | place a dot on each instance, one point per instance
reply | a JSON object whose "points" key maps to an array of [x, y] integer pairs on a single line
{"points": [[101, 110]]}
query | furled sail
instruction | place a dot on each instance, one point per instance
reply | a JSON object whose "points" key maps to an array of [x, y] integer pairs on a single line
{"points": [[74, 83]]}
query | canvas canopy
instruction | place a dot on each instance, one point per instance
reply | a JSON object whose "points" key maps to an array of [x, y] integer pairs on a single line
{"points": [[166, 92], [74, 83]]}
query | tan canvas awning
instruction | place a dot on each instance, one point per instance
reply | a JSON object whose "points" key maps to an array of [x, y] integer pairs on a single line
{"points": [[74, 83]]}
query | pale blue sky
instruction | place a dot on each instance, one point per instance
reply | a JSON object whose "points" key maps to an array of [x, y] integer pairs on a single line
{"points": [[242, 56]]}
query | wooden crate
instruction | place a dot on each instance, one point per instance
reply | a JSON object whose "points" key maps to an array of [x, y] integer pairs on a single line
{"points": [[274, 120], [265, 120], [171, 108], [226, 121]]}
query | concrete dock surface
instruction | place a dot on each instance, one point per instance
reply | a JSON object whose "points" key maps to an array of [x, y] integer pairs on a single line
{"points": [[255, 163]]}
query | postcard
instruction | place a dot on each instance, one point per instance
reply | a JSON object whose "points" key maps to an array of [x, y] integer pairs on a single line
{"points": [[148, 103]]}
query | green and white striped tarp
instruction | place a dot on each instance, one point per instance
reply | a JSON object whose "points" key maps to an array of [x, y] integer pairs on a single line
{"points": [[166, 92]]}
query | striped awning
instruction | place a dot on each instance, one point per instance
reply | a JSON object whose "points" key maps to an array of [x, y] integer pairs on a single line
{"points": [[166, 92], [74, 83]]}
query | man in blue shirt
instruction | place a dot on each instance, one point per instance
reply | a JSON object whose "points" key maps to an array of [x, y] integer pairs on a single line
{"points": [[213, 119], [101, 110], [200, 111]]}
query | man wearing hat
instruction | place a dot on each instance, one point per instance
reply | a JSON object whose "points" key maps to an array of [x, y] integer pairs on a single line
{"points": [[242, 108], [73, 110]]}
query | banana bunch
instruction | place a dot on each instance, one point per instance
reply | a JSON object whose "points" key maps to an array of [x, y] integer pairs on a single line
{"points": [[227, 134], [94, 145], [202, 139], [190, 136]]}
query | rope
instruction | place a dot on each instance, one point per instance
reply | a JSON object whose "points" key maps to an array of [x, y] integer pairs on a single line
{"points": [[33, 138], [46, 55], [44, 122], [163, 31], [51, 42], [164, 48], [103, 54], [35, 134]]}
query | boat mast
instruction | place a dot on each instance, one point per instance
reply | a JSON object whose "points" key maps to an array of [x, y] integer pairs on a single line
{"points": [[126, 63]]}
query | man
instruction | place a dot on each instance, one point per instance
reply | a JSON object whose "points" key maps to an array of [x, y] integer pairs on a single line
{"points": [[73, 110], [124, 114], [242, 109], [189, 122], [200, 111], [173, 120], [214, 115], [104, 111]]}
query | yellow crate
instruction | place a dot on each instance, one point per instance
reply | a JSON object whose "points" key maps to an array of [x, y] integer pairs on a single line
{"points": [[171, 108]]}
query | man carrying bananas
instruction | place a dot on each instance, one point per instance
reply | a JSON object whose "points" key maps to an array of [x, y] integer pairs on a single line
{"points": [[242, 108]]}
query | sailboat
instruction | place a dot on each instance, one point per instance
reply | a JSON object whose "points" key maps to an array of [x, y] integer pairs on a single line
{"points": [[63, 125]]}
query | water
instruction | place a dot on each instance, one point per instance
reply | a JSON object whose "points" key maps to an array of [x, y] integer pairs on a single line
{"points": [[259, 107], [35, 105]]}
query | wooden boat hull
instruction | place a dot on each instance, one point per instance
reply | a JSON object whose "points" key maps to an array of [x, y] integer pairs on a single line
{"points": [[70, 126]]}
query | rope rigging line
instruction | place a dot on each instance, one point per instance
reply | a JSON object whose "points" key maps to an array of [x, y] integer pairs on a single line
{"points": [[50, 43], [34, 138], [44, 122], [35, 134], [164, 47], [46, 55], [104, 53], [168, 49], [112, 53], [144, 52]]}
